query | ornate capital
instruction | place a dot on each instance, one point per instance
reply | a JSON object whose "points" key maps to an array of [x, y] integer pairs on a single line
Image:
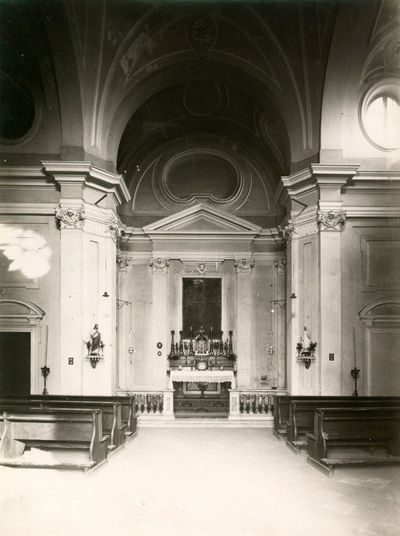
{"points": [[287, 231], [122, 262], [244, 265], [114, 229], [331, 220], [159, 265], [70, 218], [280, 264]]}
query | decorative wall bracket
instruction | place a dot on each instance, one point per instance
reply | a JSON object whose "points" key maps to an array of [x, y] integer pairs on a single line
{"points": [[306, 349]]}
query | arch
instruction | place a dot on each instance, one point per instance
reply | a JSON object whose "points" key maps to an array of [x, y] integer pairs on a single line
{"points": [[20, 310], [383, 310], [180, 72]]}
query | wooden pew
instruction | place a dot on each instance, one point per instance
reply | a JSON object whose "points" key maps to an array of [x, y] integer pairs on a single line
{"points": [[281, 408], [360, 430], [127, 403], [50, 430], [301, 414], [111, 414]]}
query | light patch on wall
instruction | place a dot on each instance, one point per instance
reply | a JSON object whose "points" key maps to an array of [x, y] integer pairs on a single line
{"points": [[26, 249]]}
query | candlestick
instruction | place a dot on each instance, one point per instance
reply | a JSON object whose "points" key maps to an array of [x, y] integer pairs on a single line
{"points": [[45, 372], [45, 345], [354, 347], [354, 374]]}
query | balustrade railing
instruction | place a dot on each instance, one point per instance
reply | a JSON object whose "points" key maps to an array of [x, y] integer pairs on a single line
{"points": [[153, 403], [252, 402]]}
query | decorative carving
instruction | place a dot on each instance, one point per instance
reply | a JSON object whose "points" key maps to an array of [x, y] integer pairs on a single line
{"points": [[306, 349], [280, 264], [202, 32], [202, 268], [244, 265], [159, 265], [122, 262], [114, 229], [287, 231], [70, 218], [331, 220]]}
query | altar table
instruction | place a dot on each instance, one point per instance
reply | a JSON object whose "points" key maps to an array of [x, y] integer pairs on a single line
{"points": [[202, 376]]}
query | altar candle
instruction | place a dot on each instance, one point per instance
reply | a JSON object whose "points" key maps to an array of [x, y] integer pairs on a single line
{"points": [[354, 347], [45, 345]]}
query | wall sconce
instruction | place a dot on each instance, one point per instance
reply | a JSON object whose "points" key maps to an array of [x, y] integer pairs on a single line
{"points": [[121, 303], [106, 294], [281, 303]]}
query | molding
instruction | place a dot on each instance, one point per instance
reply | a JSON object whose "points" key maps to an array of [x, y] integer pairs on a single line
{"points": [[372, 212], [46, 209], [33, 312], [229, 226], [202, 268], [317, 176], [89, 175]]}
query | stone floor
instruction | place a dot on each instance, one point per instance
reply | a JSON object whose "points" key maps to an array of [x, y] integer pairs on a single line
{"points": [[201, 482]]}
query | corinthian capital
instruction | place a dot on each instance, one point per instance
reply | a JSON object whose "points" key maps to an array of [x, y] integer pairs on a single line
{"points": [[70, 218], [331, 220], [244, 265], [287, 231], [114, 229], [159, 265]]}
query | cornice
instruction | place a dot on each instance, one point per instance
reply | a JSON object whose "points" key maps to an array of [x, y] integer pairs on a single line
{"points": [[371, 212], [47, 209], [85, 172], [317, 176]]}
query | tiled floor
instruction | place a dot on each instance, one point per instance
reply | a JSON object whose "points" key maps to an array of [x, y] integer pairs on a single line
{"points": [[201, 482]]}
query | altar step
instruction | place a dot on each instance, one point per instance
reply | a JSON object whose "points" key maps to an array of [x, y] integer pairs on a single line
{"points": [[247, 421]]}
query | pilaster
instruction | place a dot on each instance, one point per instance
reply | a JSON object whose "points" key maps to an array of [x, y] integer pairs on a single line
{"points": [[159, 340], [314, 301], [244, 304]]}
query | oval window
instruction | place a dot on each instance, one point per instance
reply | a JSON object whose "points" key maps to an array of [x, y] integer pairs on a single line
{"points": [[380, 115]]}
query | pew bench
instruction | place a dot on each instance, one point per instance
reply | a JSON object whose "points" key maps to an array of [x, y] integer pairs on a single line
{"points": [[352, 436], [63, 438], [127, 403], [110, 411], [301, 414]]}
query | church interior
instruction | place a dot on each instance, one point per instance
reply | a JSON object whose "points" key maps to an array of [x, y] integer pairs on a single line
{"points": [[199, 250]]}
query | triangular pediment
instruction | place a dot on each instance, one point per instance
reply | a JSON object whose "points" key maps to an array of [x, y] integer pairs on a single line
{"points": [[202, 220]]}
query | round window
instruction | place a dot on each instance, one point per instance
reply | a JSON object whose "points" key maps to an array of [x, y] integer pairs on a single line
{"points": [[380, 114]]}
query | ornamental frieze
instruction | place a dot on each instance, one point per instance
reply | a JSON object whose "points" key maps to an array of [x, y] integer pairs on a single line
{"points": [[202, 268], [244, 265], [159, 265], [70, 218], [331, 220]]}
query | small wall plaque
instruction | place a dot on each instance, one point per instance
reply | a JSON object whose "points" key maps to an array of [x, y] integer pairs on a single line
{"points": [[331, 357], [70, 361]]}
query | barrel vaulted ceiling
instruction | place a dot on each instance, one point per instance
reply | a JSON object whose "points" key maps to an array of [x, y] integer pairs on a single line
{"points": [[191, 101]]}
